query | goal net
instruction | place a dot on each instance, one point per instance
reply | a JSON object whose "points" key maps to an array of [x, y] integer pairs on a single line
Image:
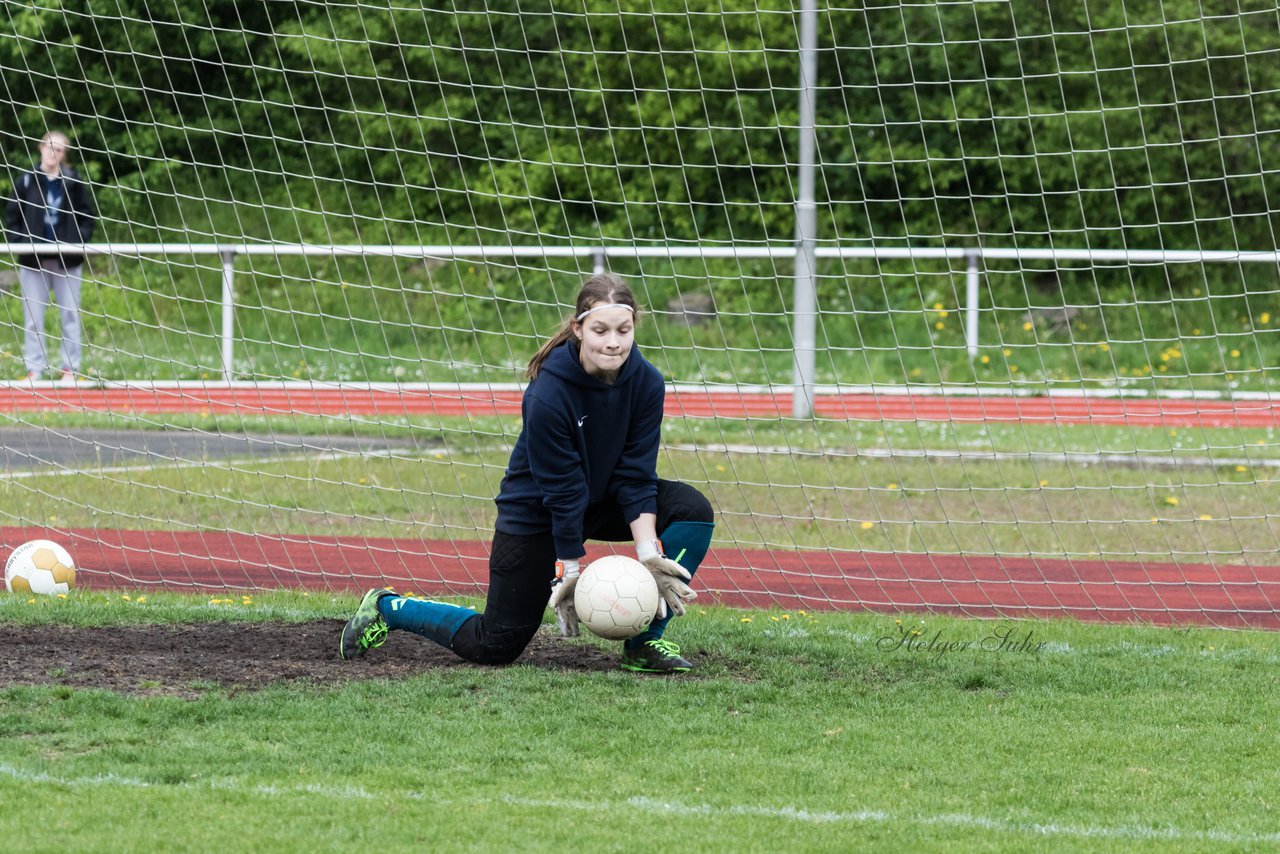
{"points": [[329, 237]]}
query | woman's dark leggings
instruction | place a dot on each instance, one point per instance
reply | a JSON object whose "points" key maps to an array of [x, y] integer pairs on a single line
{"points": [[521, 569]]}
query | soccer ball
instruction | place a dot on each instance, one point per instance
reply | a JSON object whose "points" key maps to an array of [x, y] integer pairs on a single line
{"points": [[616, 597], [40, 566]]}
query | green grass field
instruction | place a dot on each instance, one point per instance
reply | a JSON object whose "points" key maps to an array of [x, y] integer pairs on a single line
{"points": [[804, 732], [800, 733]]}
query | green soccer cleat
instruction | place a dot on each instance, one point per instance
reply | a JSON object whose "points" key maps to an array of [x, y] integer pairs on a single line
{"points": [[366, 630], [655, 656]]}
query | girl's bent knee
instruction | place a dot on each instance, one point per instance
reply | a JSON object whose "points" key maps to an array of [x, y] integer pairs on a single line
{"points": [[682, 503]]}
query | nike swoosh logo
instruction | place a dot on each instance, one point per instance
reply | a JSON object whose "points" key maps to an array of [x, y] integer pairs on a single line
{"points": [[583, 418]]}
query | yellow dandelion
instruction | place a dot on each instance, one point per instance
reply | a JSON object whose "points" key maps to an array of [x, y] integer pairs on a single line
{"points": [[140, 599], [1013, 369], [773, 619], [721, 468], [786, 616], [1242, 469], [891, 486], [1006, 351], [1104, 347], [62, 596], [1044, 483], [1171, 500], [867, 526], [1154, 519], [897, 622], [1195, 331], [1235, 354], [1028, 326], [745, 620], [31, 601], [937, 306], [986, 360], [1205, 517], [944, 314], [939, 325], [124, 596], [1264, 318], [803, 613]]}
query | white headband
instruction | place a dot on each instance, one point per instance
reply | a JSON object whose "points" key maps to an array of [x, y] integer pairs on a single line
{"points": [[604, 306]]}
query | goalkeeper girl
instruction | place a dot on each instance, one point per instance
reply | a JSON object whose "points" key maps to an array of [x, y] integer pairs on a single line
{"points": [[584, 467]]}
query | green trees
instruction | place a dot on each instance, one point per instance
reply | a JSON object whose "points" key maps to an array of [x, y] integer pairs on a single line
{"points": [[1098, 124]]}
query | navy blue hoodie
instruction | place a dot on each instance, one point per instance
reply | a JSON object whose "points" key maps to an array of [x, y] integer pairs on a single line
{"points": [[583, 441], [27, 207]]}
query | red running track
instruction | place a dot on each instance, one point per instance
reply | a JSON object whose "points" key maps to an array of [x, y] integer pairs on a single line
{"points": [[274, 399], [1161, 593]]}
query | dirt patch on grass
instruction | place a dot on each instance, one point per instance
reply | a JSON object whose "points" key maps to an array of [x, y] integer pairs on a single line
{"points": [[189, 660]]}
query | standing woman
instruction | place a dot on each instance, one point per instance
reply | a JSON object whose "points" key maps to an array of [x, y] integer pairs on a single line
{"points": [[50, 204], [584, 467]]}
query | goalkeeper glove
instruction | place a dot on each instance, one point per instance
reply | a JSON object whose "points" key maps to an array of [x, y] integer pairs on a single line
{"points": [[562, 597], [670, 576]]}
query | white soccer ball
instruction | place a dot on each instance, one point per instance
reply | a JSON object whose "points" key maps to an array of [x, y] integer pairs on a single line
{"points": [[40, 566], [616, 597]]}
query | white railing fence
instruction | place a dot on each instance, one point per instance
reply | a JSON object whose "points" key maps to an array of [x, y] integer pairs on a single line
{"points": [[599, 256]]}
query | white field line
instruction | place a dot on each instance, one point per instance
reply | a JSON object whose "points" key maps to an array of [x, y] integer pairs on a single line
{"points": [[1086, 458], [1079, 457], [1069, 457], [826, 390], [631, 805], [228, 464]]}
